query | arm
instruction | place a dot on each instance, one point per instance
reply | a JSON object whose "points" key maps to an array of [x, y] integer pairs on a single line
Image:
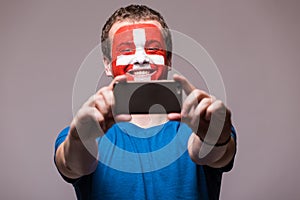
{"points": [[217, 157], [77, 155], [211, 143]]}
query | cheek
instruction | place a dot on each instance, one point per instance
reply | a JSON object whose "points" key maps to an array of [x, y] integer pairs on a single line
{"points": [[161, 72], [116, 70], [120, 69]]}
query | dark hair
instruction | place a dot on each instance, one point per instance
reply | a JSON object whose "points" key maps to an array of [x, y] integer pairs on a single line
{"points": [[134, 13]]}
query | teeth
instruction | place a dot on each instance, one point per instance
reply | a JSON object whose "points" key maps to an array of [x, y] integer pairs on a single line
{"points": [[141, 73]]}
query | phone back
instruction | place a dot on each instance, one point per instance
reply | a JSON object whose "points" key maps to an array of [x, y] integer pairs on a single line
{"points": [[155, 97]]}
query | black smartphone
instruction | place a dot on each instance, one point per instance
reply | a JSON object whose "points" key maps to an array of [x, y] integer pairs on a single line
{"points": [[154, 97]]}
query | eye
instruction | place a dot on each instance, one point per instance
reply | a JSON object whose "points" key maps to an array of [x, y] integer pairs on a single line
{"points": [[126, 51], [126, 48], [153, 49]]}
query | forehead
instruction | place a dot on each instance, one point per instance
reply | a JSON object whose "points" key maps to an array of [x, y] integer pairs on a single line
{"points": [[126, 26]]}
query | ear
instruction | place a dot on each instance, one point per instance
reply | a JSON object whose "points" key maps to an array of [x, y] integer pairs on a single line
{"points": [[107, 65], [169, 63]]}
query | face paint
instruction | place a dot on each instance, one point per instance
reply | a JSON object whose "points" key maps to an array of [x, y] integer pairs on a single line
{"points": [[139, 51]]}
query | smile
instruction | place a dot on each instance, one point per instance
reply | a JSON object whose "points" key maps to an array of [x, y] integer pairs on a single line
{"points": [[141, 72]]}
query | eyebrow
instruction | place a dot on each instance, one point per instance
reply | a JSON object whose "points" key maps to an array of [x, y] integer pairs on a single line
{"points": [[125, 43], [153, 41], [148, 42]]}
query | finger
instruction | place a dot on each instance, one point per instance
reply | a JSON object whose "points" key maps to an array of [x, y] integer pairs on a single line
{"points": [[217, 108], [121, 78], [108, 97], [101, 105], [174, 116], [192, 101], [189, 103], [91, 101], [87, 114], [202, 107], [196, 115], [107, 120], [186, 85], [122, 118]]}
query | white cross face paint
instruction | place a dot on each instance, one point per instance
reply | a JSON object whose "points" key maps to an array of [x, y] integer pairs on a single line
{"points": [[141, 70], [139, 51]]}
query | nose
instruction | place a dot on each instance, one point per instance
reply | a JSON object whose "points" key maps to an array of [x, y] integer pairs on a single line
{"points": [[141, 61], [141, 57]]}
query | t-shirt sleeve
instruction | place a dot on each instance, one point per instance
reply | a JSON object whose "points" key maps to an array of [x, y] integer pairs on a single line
{"points": [[60, 139]]}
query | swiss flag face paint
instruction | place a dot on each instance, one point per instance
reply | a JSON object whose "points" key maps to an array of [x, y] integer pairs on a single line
{"points": [[139, 51]]}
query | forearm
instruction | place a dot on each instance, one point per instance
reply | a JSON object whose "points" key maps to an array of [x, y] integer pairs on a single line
{"points": [[206, 154], [75, 158]]}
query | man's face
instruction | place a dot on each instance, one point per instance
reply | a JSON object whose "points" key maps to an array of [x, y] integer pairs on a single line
{"points": [[139, 51]]}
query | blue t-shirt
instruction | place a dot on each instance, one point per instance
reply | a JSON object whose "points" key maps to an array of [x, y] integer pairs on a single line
{"points": [[152, 163]]}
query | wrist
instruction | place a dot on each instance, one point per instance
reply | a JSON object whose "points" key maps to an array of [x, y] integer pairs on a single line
{"points": [[218, 143]]}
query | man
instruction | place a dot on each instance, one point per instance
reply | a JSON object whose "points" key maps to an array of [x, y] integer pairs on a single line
{"points": [[136, 46]]}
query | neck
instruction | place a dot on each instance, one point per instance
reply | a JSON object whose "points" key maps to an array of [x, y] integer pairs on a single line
{"points": [[146, 121]]}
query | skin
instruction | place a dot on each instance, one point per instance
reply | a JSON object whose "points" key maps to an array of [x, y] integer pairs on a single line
{"points": [[139, 53], [74, 160]]}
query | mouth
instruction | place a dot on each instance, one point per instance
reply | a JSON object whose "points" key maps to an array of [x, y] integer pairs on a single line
{"points": [[141, 72]]}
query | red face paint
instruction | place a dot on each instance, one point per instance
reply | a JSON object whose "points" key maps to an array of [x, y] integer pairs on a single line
{"points": [[139, 51]]}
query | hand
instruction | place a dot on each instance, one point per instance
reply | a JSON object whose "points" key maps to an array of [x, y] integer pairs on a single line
{"points": [[95, 116], [204, 114]]}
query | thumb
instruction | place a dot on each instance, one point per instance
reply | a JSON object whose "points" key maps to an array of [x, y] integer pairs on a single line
{"points": [[186, 85]]}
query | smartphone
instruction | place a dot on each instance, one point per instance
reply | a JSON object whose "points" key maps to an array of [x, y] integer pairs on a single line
{"points": [[154, 97]]}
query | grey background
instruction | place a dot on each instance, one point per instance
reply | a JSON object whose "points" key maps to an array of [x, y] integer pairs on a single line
{"points": [[254, 43]]}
